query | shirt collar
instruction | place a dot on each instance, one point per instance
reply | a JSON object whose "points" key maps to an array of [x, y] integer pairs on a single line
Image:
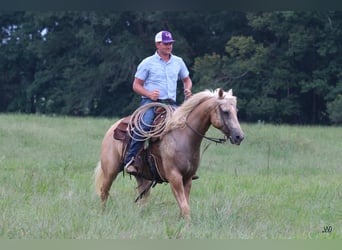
{"points": [[159, 57]]}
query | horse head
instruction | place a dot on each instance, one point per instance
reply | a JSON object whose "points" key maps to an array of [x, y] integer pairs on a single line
{"points": [[224, 116]]}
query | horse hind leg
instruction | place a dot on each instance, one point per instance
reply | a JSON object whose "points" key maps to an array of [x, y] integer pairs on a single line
{"points": [[103, 181], [109, 166]]}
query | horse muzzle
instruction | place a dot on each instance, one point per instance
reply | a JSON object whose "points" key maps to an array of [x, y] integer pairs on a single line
{"points": [[236, 137]]}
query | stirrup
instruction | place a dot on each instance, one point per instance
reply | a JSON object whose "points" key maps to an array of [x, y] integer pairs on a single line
{"points": [[128, 163], [129, 168]]}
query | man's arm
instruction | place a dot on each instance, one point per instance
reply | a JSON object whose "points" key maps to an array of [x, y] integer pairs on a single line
{"points": [[138, 87], [187, 83]]}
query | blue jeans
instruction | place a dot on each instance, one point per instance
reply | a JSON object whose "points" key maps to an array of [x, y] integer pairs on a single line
{"points": [[136, 142]]}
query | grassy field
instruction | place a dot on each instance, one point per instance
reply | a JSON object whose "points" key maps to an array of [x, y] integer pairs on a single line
{"points": [[282, 182]]}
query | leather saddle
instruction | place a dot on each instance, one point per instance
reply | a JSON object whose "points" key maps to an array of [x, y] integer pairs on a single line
{"points": [[148, 157], [121, 131]]}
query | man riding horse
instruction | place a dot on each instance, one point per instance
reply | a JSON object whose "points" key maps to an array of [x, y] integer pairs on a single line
{"points": [[156, 81]]}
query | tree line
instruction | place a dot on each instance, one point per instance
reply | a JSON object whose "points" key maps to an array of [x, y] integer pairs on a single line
{"points": [[284, 66]]}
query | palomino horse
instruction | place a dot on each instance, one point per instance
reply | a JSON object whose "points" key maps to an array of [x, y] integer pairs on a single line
{"points": [[178, 150]]}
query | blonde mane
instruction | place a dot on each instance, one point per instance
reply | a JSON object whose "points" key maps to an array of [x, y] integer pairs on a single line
{"points": [[179, 116]]}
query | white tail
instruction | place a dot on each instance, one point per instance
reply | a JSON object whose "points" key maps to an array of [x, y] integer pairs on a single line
{"points": [[98, 174]]}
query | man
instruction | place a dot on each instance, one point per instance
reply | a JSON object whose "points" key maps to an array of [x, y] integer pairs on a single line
{"points": [[156, 81]]}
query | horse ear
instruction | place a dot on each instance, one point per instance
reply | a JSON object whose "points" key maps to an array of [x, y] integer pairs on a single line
{"points": [[220, 93], [230, 92]]}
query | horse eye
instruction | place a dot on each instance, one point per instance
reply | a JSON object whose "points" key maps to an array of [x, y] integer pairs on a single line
{"points": [[226, 112]]}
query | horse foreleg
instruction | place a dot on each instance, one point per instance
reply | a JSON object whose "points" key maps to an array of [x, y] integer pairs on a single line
{"points": [[187, 188], [178, 190]]}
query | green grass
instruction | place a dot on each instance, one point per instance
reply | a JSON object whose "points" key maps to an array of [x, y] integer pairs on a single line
{"points": [[282, 182]]}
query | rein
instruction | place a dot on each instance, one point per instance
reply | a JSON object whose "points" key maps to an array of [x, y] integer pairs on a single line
{"points": [[213, 139]]}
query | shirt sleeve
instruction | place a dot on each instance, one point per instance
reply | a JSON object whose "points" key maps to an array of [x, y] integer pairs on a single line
{"points": [[142, 71]]}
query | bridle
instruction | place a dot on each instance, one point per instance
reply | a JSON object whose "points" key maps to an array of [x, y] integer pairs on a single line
{"points": [[213, 139]]}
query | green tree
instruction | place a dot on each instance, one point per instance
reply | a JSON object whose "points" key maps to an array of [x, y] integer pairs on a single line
{"points": [[16, 65], [284, 70], [334, 109], [305, 45], [284, 66], [243, 60]]}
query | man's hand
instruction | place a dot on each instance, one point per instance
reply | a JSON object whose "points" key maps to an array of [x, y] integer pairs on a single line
{"points": [[187, 93], [154, 95]]}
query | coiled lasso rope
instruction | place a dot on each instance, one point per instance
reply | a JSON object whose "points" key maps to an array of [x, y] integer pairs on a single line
{"points": [[136, 122]]}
